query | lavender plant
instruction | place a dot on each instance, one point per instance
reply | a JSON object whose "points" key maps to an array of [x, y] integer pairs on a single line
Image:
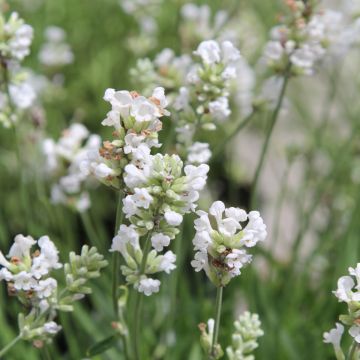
{"points": [[171, 149]]}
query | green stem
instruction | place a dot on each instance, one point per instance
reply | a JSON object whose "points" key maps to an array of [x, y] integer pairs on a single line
{"points": [[274, 117], [46, 353], [139, 297], [352, 351], [116, 256], [4, 350], [90, 230], [218, 305]]}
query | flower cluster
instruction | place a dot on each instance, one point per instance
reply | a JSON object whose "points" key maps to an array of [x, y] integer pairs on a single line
{"points": [[15, 38], [29, 277], [166, 69], [220, 241], [209, 83], [347, 291], [158, 191], [136, 123], [63, 160], [244, 339], [199, 24], [200, 90], [303, 37], [55, 52], [144, 12], [16, 94], [159, 195]]}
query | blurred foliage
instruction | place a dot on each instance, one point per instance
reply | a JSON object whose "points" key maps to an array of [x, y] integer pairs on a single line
{"points": [[292, 297]]}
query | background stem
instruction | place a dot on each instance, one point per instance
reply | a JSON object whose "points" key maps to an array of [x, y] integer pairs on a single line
{"points": [[218, 305], [9, 346], [116, 256], [139, 298], [273, 119]]}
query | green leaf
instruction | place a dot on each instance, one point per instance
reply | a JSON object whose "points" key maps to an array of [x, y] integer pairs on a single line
{"points": [[103, 345]]}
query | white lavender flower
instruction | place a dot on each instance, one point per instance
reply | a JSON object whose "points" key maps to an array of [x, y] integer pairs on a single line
{"points": [[221, 241], [55, 52], [347, 291], [66, 156], [15, 38], [306, 36]]}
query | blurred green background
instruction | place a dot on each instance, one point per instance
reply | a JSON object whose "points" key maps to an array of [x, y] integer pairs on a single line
{"points": [[291, 292]]}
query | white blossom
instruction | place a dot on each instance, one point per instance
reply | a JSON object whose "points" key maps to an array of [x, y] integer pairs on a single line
{"points": [[173, 218], [167, 263], [125, 235], [159, 241], [199, 153], [226, 241], [51, 327], [149, 286]]}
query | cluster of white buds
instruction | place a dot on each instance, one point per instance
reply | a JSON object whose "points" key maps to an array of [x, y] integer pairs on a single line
{"points": [[198, 23], [136, 123], [244, 338], [199, 90], [29, 277], [55, 52], [348, 291], [204, 101], [209, 83], [159, 194], [144, 12], [166, 69], [15, 38], [16, 94], [62, 164], [221, 242], [303, 37]]}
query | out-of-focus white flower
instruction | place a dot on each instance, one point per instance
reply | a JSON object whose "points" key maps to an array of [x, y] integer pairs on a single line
{"points": [[55, 52], [220, 108], [199, 153], [149, 286], [22, 95], [17, 38], [51, 327]]}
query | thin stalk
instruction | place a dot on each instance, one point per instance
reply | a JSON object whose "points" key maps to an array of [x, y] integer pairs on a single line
{"points": [[218, 149], [352, 351], [218, 305], [116, 256], [273, 119], [46, 353], [139, 298], [4, 350], [90, 230], [23, 192]]}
